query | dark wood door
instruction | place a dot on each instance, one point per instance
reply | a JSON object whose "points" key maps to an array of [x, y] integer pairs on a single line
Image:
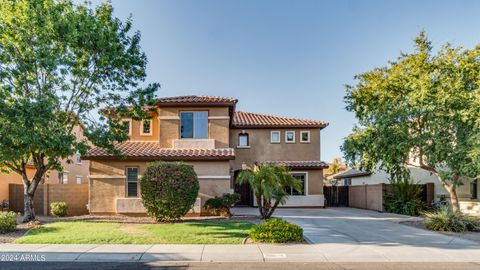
{"points": [[246, 197], [336, 196]]}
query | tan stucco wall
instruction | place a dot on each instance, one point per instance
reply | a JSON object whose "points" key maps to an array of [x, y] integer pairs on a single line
{"points": [[213, 177], [261, 149], [11, 178], [315, 182], [218, 124]]}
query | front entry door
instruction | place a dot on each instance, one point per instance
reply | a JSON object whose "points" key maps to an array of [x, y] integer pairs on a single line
{"points": [[246, 198]]}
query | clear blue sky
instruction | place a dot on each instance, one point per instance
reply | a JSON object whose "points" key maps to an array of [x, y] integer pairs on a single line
{"points": [[287, 58]]}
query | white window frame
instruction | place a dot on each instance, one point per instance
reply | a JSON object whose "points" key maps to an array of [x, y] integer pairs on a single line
{"points": [[301, 137], [286, 136], [151, 128], [63, 179], [78, 158], [305, 186], [129, 125], [77, 178], [279, 136]]}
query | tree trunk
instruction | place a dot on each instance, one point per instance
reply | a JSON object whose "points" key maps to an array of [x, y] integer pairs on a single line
{"points": [[275, 205], [29, 211], [452, 191], [260, 205]]}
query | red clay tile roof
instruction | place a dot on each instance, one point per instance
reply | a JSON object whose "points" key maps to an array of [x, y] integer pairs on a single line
{"points": [[257, 120], [300, 164], [153, 151], [196, 101]]}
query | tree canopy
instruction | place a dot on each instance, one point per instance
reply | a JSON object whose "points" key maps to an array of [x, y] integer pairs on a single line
{"points": [[421, 110], [61, 63]]}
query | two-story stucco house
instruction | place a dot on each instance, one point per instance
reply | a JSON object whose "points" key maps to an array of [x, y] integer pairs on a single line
{"points": [[208, 133]]}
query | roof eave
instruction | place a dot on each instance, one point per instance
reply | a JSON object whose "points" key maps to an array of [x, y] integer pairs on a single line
{"points": [[154, 158]]}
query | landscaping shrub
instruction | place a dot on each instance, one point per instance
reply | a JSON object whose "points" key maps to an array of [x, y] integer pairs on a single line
{"points": [[221, 205], [8, 222], [450, 221], [169, 190], [58, 209], [403, 198], [276, 230]]}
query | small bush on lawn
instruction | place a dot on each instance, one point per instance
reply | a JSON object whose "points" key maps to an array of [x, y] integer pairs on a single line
{"points": [[8, 222], [221, 205], [58, 209], [447, 220], [169, 190], [276, 230]]}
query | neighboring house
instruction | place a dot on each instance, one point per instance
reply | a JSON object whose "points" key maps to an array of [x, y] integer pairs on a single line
{"points": [[12, 178], [74, 172], [208, 133], [468, 193]]}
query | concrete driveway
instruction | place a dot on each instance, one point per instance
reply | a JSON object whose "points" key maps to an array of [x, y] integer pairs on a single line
{"points": [[348, 234]]}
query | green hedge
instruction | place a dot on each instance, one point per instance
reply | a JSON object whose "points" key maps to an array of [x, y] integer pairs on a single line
{"points": [[221, 205], [8, 222], [447, 220], [276, 230], [169, 190], [58, 209]]}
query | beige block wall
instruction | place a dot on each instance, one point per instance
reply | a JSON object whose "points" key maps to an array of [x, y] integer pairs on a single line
{"points": [[76, 197], [108, 182], [261, 149]]}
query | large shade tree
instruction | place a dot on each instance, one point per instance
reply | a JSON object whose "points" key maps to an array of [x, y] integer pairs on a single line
{"points": [[421, 110], [59, 64]]}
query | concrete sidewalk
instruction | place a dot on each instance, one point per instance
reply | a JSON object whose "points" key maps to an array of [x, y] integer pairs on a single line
{"points": [[234, 253]]}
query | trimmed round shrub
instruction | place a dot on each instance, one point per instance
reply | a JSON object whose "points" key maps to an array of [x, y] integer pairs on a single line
{"points": [[169, 190], [276, 230], [8, 222], [221, 205], [58, 209], [450, 221]]}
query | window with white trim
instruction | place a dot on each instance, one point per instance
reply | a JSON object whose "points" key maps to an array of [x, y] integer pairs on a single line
{"points": [[132, 182], [305, 136], [128, 124], [63, 177], [79, 179], [78, 157], [194, 125], [146, 127], [302, 177], [290, 136], [274, 136]]}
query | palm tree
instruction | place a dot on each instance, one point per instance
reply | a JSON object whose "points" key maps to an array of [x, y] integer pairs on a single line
{"points": [[269, 184]]}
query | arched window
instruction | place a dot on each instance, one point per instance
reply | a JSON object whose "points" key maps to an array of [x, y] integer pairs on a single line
{"points": [[243, 140]]}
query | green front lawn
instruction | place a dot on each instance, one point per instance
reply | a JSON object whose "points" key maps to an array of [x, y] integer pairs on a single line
{"points": [[205, 232]]}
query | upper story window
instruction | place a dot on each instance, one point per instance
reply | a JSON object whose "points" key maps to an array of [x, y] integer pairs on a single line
{"points": [[78, 157], [146, 127], [63, 177], [275, 136], [194, 125], [243, 140], [128, 124], [289, 136], [305, 136]]}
